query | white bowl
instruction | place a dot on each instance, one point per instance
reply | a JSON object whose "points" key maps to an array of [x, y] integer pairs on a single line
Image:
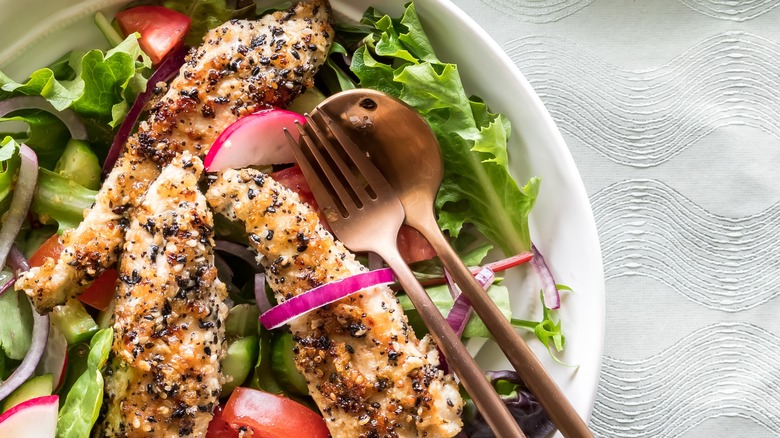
{"points": [[36, 32]]}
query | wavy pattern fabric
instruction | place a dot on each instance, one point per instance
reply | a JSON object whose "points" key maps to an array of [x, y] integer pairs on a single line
{"points": [[644, 118], [539, 11], [721, 370], [547, 11], [722, 263], [735, 10], [707, 90]]}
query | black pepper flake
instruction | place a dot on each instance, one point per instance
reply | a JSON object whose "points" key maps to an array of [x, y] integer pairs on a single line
{"points": [[257, 41], [132, 279]]}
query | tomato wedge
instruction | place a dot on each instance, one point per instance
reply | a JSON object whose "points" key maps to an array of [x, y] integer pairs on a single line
{"points": [[218, 427], [292, 178], [161, 28], [270, 416], [412, 245], [98, 294]]}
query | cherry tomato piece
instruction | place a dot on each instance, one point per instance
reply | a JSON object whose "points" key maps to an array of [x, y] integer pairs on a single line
{"points": [[272, 416], [161, 29], [219, 428]]}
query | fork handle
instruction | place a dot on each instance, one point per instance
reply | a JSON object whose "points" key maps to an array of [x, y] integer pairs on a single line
{"points": [[518, 353], [471, 376]]}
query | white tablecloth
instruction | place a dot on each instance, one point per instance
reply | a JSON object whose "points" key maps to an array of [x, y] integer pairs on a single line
{"points": [[671, 109]]}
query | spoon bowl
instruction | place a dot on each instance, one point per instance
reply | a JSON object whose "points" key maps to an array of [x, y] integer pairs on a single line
{"points": [[396, 138]]}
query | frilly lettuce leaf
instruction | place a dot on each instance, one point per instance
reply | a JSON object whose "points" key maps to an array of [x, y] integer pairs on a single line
{"points": [[398, 59], [102, 84]]}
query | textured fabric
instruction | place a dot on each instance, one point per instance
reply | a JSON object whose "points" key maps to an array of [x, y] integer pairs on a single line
{"points": [[671, 109]]}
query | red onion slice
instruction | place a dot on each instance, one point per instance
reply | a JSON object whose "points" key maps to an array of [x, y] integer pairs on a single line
{"points": [[20, 203], [261, 298], [67, 116], [18, 263], [8, 281], [552, 299], [461, 309], [167, 70], [40, 337], [323, 295], [240, 251]]}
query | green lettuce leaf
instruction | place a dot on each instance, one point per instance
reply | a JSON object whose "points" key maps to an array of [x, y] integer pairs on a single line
{"points": [[15, 324], [45, 134], [206, 15], [548, 330], [398, 59], [443, 301], [82, 405], [10, 160], [103, 84]]}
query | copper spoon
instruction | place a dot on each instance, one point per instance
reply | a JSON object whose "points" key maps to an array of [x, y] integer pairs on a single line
{"points": [[400, 142]]}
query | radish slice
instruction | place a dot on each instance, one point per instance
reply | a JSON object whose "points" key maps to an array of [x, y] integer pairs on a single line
{"points": [[55, 357], [254, 140], [36, 417]]}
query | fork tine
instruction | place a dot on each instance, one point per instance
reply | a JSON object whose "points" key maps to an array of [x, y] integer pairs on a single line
{"points": [[339, 189], [331, 149], [368, 169], [317, 185]]}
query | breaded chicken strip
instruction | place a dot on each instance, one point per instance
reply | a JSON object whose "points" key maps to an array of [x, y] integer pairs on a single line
{"points": [[164, 375], [242, 67], [366, 369]]}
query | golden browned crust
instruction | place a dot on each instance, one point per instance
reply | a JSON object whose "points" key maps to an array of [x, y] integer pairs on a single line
{"points": [[242, 66], [164, 375], [366, 369]]}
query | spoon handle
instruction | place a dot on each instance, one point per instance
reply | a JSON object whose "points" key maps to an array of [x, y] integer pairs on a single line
{"points": [[511, 343], [471, 376]]}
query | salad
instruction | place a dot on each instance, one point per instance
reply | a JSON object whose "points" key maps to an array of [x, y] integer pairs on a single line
{"points": [[81, 111]]}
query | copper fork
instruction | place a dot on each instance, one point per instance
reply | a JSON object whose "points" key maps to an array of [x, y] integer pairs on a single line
{"points": [[365, 214]]}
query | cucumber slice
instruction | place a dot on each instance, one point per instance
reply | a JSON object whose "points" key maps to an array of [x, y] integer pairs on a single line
{"points": [[38, 386], [106, 317], [242, 321], [283, 364], [238, 362], [79, 164], [74, 322], [306, 102]]}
